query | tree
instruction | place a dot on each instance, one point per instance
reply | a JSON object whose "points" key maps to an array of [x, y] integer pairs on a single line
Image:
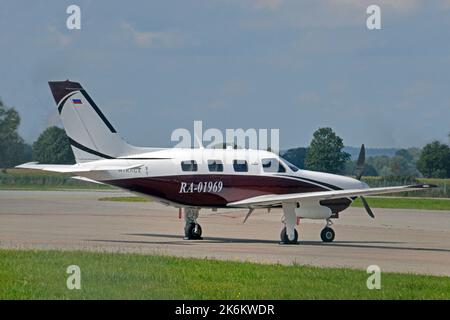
{"points": [[434, 161], [325, 152], [296, 156], [13, 150], [381, 164], [53, 146], [350, 169], [404, 153], [400, 166]]}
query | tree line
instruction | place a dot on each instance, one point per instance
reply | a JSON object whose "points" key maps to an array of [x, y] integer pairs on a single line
{"points": [[52, 146], [325, 152]]}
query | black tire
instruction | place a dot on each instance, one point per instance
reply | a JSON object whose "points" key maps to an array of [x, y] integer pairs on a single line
{"points": [[193, 231], [285, 239], [327, 234]]}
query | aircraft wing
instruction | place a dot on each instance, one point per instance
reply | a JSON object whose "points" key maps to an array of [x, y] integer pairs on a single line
{"points": [[81, 167], [277, 199]]}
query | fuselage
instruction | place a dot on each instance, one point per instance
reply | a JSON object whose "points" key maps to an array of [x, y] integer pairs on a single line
{"points": [[213, 178]]}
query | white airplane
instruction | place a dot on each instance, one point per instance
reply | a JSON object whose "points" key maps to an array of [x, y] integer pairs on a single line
{"points": [[192, 179]]}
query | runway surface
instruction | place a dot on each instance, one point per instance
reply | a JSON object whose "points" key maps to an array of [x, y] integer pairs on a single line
{"points": [[397, 240]]}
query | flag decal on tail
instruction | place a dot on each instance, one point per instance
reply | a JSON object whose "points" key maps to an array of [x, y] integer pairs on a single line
{"points": [[76, 101]]}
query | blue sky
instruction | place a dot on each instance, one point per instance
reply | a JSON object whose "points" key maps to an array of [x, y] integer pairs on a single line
{"points": [[154, 66]]}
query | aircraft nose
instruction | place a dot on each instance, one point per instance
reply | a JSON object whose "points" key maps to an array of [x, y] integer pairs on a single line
{"points": [[351, 183], [362, 185]]}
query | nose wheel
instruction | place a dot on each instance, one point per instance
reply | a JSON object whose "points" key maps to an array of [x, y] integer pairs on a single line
{"points": [[327, 234]]}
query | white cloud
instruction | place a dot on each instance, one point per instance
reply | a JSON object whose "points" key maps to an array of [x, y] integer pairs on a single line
{"points": [[147, 39]]}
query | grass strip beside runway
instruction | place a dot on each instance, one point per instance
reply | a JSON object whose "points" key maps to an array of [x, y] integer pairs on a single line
{"points": [[125, 199], [406, 203], [42, 275]]}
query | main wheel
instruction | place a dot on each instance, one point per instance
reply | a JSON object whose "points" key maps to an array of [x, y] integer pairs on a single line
{"points": [[193, 231], [327, 234], [285, 239]]}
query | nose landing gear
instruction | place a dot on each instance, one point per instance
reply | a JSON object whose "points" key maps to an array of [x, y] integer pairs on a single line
{"points": [[327, 233]]}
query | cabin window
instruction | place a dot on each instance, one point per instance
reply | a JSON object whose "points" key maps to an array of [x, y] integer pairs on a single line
{"points": [[272, 165], [215, 165], [240, 165], [189, 165]]}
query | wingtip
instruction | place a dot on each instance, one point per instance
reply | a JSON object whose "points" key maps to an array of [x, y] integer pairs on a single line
{"points": [[424, 186], [25, 165]]}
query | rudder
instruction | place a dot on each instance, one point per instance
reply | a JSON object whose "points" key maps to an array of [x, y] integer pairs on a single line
{"points": [[91, 135]]}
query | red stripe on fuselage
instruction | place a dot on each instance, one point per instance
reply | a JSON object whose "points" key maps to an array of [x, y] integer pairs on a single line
{"points": [[235, 188]]}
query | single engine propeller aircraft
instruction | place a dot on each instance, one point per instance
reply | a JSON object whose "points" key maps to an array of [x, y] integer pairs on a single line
{"points": [[198, 178]]}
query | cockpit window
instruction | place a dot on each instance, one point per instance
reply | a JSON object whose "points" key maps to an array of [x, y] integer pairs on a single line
{"points": [[189, 165], [272, 165], [291, 166]]}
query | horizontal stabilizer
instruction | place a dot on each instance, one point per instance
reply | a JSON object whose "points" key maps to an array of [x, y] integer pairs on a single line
{"points": [[87, 180], [81, 167]]}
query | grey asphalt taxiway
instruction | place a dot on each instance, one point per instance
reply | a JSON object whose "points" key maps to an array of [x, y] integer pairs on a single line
{"points": [[416, 241]]}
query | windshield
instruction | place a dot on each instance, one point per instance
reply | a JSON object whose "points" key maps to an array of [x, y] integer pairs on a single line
{"points": [[290, 165], [272, 165]]}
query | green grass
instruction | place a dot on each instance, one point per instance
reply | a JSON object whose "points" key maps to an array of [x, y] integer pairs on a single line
{"points": [[125, 199], [406, 203], [24, 179], [42, 275], [443, 190]]}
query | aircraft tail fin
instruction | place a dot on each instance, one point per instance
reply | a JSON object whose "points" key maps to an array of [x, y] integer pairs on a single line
{"points": [[91, 135]]}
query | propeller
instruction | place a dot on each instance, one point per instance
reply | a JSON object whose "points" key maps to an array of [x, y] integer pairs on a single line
{"points": [[358, 173], [360, 163], [366, 206]]}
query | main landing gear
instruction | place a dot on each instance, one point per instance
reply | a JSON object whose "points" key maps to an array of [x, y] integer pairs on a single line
{"points": [[288, 234], [285, 239], [327, 233], [192, 230]]}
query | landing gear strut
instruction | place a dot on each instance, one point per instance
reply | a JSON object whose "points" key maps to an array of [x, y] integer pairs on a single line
{"points": [[192, 230], [327, 233], [288, 234]]}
